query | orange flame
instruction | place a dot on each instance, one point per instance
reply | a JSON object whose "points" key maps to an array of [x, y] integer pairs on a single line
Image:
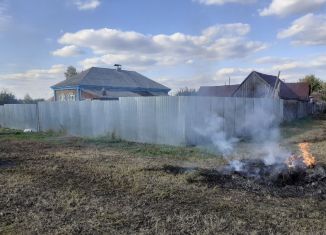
{"points": [[305, 159], [308, 159]]}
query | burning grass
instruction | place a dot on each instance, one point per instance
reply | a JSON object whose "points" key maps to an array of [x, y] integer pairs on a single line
{"points": [[256, 177], [298, 176], [57, 184]]}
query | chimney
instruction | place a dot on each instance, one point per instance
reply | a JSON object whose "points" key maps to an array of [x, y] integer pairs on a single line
{"points": [[118, 67]]}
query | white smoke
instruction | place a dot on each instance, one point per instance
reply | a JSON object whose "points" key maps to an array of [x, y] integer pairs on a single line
{"points": [[236, 165], [260, 130], [213, 131]]}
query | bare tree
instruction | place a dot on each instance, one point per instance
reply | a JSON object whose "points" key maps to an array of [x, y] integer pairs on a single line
{"points": [[186, 92], [27, 99]]}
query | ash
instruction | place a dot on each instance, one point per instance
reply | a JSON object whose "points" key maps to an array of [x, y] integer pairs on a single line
{"points": [[257, 177]]}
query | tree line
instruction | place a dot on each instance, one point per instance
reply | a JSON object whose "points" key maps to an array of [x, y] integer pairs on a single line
{"points": [[317, 86], [6, 97]]}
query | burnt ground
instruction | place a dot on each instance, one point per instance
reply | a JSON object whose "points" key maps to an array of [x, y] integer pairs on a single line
{"points": [[52, 184], [274, 180]]}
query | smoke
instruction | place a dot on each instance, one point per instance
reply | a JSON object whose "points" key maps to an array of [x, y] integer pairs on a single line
{"points": [[213, 130], [237, 165], [260, 130]]}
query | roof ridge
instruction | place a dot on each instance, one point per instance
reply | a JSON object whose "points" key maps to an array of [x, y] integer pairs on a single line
{"points": [[259, 73], [88, 70], [84, 72], [252, 72]]}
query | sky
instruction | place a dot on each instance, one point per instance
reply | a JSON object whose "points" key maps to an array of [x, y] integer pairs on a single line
{"points": [[179, 43]]}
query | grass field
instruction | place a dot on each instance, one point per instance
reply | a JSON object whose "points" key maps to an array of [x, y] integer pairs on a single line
{"points": [[51, 184]]}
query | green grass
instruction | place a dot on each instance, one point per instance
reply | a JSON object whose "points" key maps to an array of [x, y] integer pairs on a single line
{"points": [[138, 149], [149, 150], [9, 134]]}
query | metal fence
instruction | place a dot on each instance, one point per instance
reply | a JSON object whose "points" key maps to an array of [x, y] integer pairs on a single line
{"points": [[159, 120]]}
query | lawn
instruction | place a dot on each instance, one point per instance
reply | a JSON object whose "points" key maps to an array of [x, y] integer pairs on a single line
{"points": [[51, 183]]}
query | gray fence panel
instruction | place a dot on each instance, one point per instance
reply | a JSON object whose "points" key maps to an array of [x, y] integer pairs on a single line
{"points": [[240, 113], [97, 118], [54, 116], [146, 117], [112, 118], [8, 119], [217, 108], [48, 114], [2, 116], [20, 116], [128, 124], [294, 109], [248, 113], [43, 108], [64, 119], [85, 108], [229, 116], [170, 119], [277, 110], [74, 127], [180, 120], [198, 116]]}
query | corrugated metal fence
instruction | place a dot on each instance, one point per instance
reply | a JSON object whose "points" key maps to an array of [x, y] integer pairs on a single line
{"points": [[161, 120]]}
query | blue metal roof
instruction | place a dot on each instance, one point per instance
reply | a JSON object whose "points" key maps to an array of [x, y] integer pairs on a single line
{"points": [[111, 78]]}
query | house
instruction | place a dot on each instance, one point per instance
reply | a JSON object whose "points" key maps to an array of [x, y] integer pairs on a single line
{"points": [[218, 91], [106, 84], [258, 85]]}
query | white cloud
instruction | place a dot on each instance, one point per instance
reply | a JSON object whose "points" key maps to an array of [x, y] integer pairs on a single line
{"points": [[310, 63], [36, 82], [87, 4], [222, 2], [294, 65], [272, 60], [68, 51], [288, 7], [219, 42], [235, 73], [307, 30], [36, 73], [134, 62]]}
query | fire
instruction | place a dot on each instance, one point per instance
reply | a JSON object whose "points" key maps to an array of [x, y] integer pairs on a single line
{"points": [[306, 159]]}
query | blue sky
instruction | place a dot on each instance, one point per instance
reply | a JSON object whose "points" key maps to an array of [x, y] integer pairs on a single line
{"points": [[176, 42]]}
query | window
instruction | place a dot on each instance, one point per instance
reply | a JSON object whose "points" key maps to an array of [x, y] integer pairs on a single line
{"points": [[72, 97], [62, 97]]}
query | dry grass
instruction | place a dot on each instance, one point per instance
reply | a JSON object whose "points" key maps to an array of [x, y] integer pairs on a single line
{"points": [[52, 185]]}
